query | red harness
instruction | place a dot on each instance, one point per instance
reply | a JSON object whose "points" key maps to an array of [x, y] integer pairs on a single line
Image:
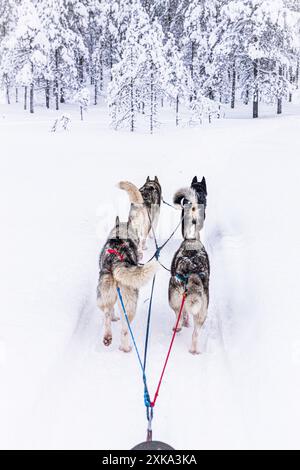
{"points": [[117, 253]]}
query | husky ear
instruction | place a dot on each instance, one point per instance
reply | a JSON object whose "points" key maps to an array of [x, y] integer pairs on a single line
{"points": [[195, 180], [117, 227], [156, 179], [148, 179], [203, 185]]}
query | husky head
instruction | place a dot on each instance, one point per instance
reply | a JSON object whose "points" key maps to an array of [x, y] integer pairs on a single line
{"points": [[151, 192], [201, 191], [193, 212]]}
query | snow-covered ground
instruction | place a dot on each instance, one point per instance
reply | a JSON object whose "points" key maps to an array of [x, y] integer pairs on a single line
{"points": [[60, 387]]}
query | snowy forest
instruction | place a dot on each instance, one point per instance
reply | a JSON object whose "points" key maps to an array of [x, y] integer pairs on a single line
{"points": [[142, 55]]}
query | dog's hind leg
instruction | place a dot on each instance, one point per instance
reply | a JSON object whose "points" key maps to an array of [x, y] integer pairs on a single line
{"points": [[186, 319], [179, 326], [107, 338], [107, 296], [129, 296], [198, 322], [175, 301], [114, 316]]}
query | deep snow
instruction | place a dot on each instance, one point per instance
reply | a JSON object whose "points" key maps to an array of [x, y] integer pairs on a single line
{"points": [[60, 387]]}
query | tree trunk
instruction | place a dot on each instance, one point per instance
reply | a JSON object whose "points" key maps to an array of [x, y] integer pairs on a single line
{"points": [[47, 94], [256, 91], [56, 86], [151, 101], [247, 95], [110, 59], [233, 86], [81, 113], [279, 105], [62, 95], [7, 94], [292, 81], [177, 111], [17, 95], [279, 98], [95, 92], [297, 75], [131, 106], [31, 100], [81, 63], [101, 76], [25, 98], [192, 69]]}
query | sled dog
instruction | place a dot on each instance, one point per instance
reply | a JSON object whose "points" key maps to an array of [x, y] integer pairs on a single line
{"points": [[144, 209], [119, 268], [151, 192], [190, 268], [183, 198]]}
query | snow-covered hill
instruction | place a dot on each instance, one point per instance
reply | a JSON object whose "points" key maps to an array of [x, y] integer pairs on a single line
{"points": [[60, 387]]}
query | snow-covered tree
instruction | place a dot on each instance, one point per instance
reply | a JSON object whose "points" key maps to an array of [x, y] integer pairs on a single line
{"points": [[66, 46], [82, 98], [26, 48], [138, 78], [177, 79], [140, 54]]}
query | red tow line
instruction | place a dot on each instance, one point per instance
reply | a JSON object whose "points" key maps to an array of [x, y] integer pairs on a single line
{"points": [[169, 351]]}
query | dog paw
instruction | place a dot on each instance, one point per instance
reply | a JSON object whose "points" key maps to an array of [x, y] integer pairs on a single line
{"points": [[195, 352], [125, 350], [107, 340], [115, 318], [177, 329], [186, 323]]}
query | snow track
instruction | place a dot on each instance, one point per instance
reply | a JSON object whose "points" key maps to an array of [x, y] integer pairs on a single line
{"points": [[61, 388]]}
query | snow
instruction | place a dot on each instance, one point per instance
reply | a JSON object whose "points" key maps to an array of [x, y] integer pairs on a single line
{"points": [[60, 387]]}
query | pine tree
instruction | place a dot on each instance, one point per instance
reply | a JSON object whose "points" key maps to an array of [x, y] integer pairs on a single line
{"points": [[177, 81], [8, 18], [138, 78], [27, 49]]}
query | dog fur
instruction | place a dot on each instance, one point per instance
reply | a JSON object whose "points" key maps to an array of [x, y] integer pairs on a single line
{"points": [[190, 268], [152, 196], [119, 268]]}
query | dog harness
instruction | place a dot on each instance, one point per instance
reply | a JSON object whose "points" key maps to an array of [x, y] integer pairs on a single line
{"points": [[185, 277], [117, 253]]}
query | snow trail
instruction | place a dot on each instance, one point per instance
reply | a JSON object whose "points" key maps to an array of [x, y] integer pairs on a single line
{"points": [[60, 387]]}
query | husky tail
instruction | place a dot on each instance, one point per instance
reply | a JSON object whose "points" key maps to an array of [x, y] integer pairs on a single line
{"points": [[133, 192], [183, 195], [135, 276]]}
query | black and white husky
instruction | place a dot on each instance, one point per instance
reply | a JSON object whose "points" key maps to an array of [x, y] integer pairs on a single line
{"points": [[119, 268], [190, 266]]}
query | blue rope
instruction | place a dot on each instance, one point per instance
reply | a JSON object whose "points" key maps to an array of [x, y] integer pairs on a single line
{"points": [[148, 324], [146, 392]]}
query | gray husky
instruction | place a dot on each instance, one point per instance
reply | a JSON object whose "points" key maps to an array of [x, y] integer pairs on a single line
{"points": [[144, 209], [151, 192], [190, 266], [119, 268]]}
